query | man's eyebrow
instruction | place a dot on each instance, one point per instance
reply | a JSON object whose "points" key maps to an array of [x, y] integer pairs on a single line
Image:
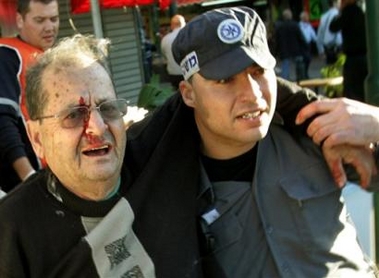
{"points": [[45, 17], [39, 17]]}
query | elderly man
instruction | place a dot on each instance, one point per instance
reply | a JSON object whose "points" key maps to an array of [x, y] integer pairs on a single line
{"points": [[70, 220]]}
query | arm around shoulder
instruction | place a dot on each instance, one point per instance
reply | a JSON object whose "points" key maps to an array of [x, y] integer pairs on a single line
{"points": [[291, 98]]}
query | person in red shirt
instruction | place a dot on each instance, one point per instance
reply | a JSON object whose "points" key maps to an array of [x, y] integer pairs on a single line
{"points": [[38, 24]]}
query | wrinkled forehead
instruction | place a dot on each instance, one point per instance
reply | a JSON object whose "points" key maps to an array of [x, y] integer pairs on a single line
{"points": [[78, 80]]}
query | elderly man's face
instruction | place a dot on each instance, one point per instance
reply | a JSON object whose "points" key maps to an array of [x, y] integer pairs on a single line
{"points": [[87, 156]]}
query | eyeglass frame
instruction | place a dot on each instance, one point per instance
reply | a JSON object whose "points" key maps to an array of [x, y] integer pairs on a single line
{"points": [[89, 109]]}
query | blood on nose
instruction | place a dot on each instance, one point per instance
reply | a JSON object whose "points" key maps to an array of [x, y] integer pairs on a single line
{"points": [[90, 138], [85, 122]]}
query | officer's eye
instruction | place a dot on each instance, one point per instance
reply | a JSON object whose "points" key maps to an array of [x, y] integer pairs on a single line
{"points": [[225, 80]]}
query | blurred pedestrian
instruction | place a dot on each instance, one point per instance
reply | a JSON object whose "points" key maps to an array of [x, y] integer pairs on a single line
{"points": [[351, 22], [149, 48], [310, 37], [290, 45], [330, 43], [173, 69]]}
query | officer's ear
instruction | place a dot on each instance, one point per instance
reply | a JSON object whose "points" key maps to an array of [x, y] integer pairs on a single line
{"points": [[187, 92]]}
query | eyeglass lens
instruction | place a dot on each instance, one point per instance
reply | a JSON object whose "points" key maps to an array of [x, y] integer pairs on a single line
{"points": [[109, 111]]}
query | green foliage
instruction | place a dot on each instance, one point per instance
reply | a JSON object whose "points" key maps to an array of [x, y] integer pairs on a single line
{"points": [[153, 94], [334, 70]]}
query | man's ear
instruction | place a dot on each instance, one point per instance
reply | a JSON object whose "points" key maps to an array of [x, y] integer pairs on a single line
{"points": [[187, 92], [34, 134], [19, 21]]}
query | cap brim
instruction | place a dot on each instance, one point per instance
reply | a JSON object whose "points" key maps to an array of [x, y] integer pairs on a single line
{"points": [[235, 61]]}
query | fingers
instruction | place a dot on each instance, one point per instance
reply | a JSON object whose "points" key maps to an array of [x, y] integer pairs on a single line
{"points": [[365, 170], [337, 122], [365, 167], [343, 127], [334, 139], [317, 107], [332, 127], [332, 136], [334, 162], [360, 158], [320, 128]]}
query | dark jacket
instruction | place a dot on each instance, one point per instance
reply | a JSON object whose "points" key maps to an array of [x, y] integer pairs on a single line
{"points": [[47, 231], [351, 22], [290, 42]]}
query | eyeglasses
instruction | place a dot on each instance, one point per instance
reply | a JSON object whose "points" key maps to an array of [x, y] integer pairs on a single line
{"points": [[109, 110]]}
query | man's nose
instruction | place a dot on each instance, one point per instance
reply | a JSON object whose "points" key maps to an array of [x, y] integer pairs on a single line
{"points": [[249, 88], [50, 25], [96, 124]]}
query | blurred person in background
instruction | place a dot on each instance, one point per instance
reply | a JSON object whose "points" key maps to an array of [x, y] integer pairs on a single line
{"points": [[351, 22], [330, 43], [38, 24], [310, 37], [173, 69], [290, 46]]}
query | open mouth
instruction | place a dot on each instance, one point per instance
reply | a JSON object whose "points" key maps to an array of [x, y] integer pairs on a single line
{"points": [[103, 150], [251, 115]]}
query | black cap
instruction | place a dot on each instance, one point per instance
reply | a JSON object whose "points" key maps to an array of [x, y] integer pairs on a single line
{"points": [[221, 43]]}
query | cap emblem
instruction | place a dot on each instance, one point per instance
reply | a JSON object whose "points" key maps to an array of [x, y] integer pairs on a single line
{"points": [[230, 31]]}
